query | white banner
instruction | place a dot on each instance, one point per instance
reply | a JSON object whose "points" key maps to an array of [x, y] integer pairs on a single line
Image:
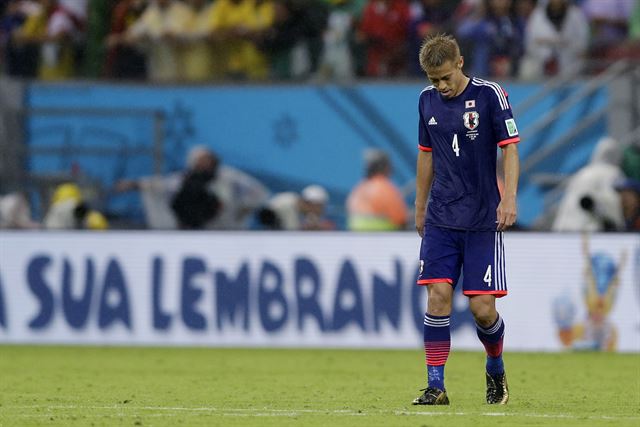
{"points": [[303, 289]]}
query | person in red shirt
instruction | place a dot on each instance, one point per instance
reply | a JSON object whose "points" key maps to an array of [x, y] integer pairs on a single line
{"points": [[384, 29]]}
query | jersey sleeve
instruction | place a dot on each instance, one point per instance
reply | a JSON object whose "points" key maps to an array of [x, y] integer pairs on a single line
{"points": [[504, 125], [424, 143]]}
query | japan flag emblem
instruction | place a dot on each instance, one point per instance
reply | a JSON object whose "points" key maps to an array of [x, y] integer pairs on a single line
{"points": [[471, 120]]}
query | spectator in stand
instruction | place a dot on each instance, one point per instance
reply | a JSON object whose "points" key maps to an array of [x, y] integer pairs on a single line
{"points": [[556, 41], [428, 17], [338, 61], [238, 26], [238, 194], [54, 30], [201, 60], [385, 30], [69, 211], [19, 59], [292, 211], [76, 8], [523, 11], [629, 191], [609, 23], [496, 39], [590, 202], [294, 41], [98, 26], [376, 204], [125, 61], [155, 33]]}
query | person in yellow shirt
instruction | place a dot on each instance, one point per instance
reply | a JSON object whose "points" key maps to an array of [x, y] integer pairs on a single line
{"points": [[53, 29], [376, 204], [201, 61], [238, 25], [156, 31]]}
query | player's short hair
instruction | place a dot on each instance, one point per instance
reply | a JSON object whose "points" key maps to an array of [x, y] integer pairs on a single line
{"points": [[438, 49]]}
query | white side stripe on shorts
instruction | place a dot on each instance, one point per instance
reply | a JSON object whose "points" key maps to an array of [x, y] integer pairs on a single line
{"points": [[498, 262]]}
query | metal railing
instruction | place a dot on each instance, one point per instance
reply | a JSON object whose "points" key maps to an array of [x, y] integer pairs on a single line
{"points": [[69, 145]]}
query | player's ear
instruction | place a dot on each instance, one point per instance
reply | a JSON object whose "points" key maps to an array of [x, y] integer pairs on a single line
{"points": [[461, 62]]}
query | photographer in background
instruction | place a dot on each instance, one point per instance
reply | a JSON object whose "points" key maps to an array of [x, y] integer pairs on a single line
{"points": [[196, 203], [292, 211], [590, 202], [238, 195], [69, 211]]}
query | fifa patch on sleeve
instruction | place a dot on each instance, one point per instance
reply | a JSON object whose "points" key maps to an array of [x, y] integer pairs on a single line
{"points": [[512, 130]]}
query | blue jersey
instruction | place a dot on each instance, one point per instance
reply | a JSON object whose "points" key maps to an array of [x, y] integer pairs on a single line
{"points": [[463, 133]]}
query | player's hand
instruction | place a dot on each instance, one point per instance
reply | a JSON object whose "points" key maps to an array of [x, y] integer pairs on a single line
{"points": [[506, 213]]}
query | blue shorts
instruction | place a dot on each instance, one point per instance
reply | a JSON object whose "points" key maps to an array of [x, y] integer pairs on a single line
{"points": [[445, 252]]}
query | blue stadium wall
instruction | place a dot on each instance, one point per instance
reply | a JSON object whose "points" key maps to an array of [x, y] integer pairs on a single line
{"points": [[286, 135]]}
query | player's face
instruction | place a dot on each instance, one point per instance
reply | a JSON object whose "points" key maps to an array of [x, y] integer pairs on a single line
{"points": [[448, 78]]}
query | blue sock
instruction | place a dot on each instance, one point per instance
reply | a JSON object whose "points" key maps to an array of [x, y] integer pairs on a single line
{"points": [[437, 344], [492, 338]]}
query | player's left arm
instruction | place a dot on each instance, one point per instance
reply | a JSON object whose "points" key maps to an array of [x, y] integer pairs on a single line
{"points": [[507, 138], [507, 209]]}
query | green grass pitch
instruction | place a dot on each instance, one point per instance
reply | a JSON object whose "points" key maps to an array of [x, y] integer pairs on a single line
{"points": [[96, 386]]}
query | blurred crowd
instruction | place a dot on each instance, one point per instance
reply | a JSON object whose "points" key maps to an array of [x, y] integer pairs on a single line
{"points": [[210, 40]]}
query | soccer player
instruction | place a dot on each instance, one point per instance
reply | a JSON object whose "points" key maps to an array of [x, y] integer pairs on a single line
{"points": [[462, 120]]}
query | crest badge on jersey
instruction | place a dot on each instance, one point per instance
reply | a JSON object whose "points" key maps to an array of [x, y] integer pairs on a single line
{"points": [[471, 120]]}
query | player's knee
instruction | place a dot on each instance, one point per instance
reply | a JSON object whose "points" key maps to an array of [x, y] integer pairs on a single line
{"points": [[484, 310], [439, 302]]}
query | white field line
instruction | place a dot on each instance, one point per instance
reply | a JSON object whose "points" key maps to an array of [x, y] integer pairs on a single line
{"points": [[269, 412]]}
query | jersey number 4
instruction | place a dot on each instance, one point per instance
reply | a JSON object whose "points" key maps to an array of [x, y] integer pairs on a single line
{"points": [[487, 276], [455, 146]]}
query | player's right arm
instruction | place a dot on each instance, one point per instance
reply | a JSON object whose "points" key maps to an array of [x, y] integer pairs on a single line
{"points": [[424, 178], [424, 168]]}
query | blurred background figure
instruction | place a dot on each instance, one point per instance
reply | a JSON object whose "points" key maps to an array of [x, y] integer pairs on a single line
{"points": [[631, 160], [629, 190], [376, 204], [15, 212], [53, 31], [155, 32], [225, 198], [239, 27], [292, 211], [338, 59], [202, 61], [556, 41], [609, 24], [19, 59], [69, 211], [123, 60], [196, 203], [384, 30], [295, 40], [590, 202], [496, 39], [428, 17]]}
